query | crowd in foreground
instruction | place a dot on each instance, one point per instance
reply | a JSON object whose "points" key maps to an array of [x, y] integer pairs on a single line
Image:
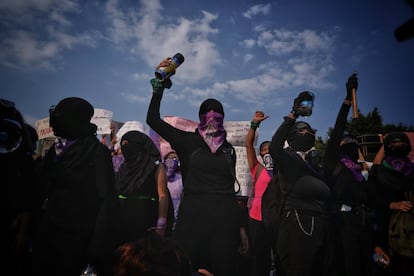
{"points": [[323, 215]]}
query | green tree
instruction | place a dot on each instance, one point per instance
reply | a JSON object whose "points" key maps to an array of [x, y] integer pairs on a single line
{"points": [[368, 128]]}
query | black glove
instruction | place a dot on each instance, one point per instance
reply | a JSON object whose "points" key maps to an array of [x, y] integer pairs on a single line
{"points": [[303, 104], [158, 86], [350, 84]]}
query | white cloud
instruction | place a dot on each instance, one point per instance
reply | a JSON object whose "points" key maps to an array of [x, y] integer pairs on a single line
{"points": [[248, 43], [25, 47], [145, 30], [134, 98], [257, 9]]}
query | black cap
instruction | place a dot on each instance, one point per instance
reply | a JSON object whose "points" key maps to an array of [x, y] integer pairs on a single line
{"points": [[211, 104]]}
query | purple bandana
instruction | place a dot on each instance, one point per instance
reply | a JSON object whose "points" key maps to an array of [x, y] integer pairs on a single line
{"points": [[171, 166], [354, 167], [61, 144], [212, 130], [399, 164]]}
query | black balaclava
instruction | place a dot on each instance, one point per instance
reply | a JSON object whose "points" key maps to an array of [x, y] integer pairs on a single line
{"points": [[401, 150], [141, 158], [209, 104], [70, 118], [349, 148], [298, 141]]}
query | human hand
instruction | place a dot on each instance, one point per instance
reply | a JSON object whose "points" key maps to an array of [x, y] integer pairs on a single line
{"points": [[303, 104], [165, 63], [351, 84], [380, 252], [403, 206], [158, 86], [204, 272], [244, 242], [259, 116]]}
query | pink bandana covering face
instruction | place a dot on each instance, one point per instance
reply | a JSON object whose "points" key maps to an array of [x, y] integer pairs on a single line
{"points": [[212, 130]]}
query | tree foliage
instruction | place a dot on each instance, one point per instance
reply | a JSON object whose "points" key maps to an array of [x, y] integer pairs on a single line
{"points": [[370, 124]]}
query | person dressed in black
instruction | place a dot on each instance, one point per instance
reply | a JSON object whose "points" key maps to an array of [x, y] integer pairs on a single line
{"points": [[392, 177], [141, 186], [18, 179], [79, 186], [303, 226], [352, 231], [208, 224]]}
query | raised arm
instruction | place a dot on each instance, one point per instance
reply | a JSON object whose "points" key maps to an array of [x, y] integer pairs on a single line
{"points": [[258, 117], [162, 189]]}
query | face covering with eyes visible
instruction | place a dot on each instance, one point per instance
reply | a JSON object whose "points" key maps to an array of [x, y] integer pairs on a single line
{"points": [[301, 137], [212, 130], [171, 165], [268, 163], [349, 150]]}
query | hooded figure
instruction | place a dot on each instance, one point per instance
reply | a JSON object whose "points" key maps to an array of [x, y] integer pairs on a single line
{"points": [[301, 137], [397, 144], [141, 158], [211, 123], [396, 148], [349, 147], [71, 117], [77, 190]]}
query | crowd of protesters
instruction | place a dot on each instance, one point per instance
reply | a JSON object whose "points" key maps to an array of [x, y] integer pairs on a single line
{"points": [[74, 207]]}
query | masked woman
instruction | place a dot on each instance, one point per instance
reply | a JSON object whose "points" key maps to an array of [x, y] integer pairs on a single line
{"points": [[392, 177], [303, 226], [141, 185], [260, 245], [175, 181], [78, 191], [208, 224], [351, 235]]}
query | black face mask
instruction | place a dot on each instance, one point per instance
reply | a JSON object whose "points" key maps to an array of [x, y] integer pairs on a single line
{"points": [[301, 142], [349, 150], [401, 150], [132, 151]]}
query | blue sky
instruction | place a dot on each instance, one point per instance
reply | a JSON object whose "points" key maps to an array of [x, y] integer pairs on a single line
{"points": [[251, 55]]}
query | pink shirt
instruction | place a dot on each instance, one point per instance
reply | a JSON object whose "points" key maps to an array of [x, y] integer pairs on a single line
{"points": [[263, 179]]}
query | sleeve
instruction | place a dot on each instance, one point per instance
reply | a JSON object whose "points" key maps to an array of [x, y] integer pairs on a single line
{"points": [[278, 141], [165, 130], [332, 149]]}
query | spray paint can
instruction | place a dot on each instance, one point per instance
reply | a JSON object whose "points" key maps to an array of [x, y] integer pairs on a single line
{"points": [[164, 73]]}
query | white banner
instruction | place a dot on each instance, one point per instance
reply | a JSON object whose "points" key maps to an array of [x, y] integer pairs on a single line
{"points": [[43, 129], [242, 172], [102, 119], [128, 126]]}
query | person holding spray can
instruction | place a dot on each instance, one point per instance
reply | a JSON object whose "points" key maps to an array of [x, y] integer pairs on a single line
{"points": [[208, 224], [168, 68]]}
